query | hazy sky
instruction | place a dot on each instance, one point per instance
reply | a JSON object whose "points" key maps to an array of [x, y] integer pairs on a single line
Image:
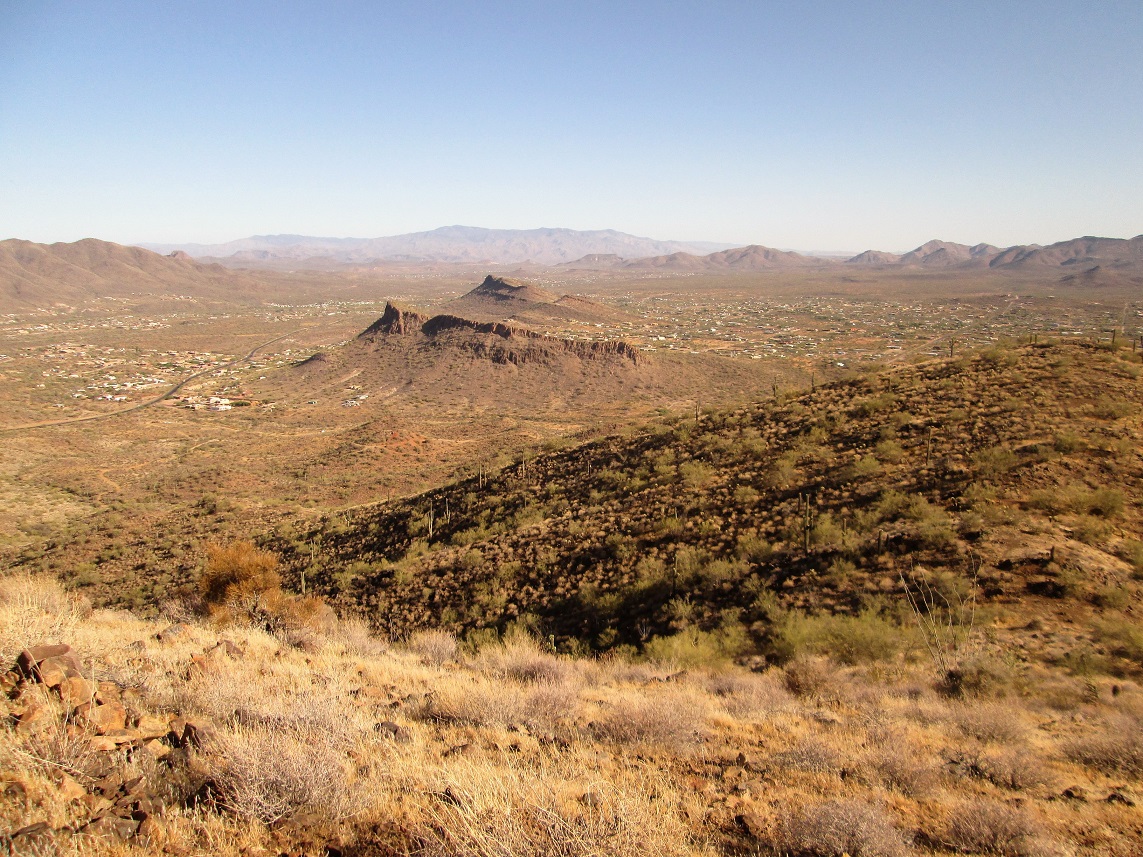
{"points": [[811, 125]]}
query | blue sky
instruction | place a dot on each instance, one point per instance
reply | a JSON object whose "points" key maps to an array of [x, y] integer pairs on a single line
{"points": [[812, 125]]}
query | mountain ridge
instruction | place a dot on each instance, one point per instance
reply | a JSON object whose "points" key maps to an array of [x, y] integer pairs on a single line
{"points": [[452, 244]]}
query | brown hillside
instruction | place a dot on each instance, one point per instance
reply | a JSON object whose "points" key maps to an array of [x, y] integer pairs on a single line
{"points": [[36, 275]]}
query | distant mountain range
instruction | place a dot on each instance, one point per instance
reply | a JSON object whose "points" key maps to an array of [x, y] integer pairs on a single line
{"points": [[611, 250], [449, 244], [39, 275], [1078, 252]]}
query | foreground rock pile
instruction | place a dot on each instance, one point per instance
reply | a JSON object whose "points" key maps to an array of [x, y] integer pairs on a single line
{"points": [[93, 738]]}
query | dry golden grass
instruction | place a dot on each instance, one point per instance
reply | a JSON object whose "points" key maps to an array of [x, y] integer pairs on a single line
{"points": [[513, 751]]}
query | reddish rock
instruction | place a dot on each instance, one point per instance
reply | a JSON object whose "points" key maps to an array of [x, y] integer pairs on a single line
{"points": [[108, 691], [101, 744], [111, 827], [171, 632], [105, 717], [49, 665], [197, 731], [69, 789], [75, 690], [157, 749], [33, 839], [95, 804], [35, 717], [152, 727]]}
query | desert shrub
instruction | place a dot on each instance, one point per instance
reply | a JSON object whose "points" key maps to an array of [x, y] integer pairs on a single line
{"points": [[994, 462], [60, 747], [1104, 502], [695, 647], [783, 472], [1123, 636], [1107, 408], [874, 404], [696, 474], [847, 639], [865, 467], [889, 450], [841, 827], [991, 722], [826, 532], [433, 647], [656, 720], [1014, 769], [1066, 442], [892, 504], [356, 636], [550, 705], [1090, 530], [812, 756], [1052, 501], [525, 810], [808, 677], [754, 548], [745, 495], [1117, 748], [236, 572], [1132, 553], [988, 827], [899, 769], [522, 659], [745, 694], [36, 610], [268, 774]]}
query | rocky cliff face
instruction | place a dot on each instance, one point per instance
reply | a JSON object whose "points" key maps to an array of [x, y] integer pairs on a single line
{"points": [[496, 341], [503, 343], [394, 321]]}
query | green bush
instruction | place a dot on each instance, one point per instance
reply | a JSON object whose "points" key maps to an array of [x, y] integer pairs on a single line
{"points": [[692, 647], [994, 462], [847, 639]]}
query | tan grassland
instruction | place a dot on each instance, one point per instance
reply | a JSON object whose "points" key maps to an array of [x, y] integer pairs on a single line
{"points": [[363, 747]]}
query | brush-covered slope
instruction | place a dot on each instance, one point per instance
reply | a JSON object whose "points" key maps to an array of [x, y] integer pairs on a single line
{"points": [[1011, 476]]}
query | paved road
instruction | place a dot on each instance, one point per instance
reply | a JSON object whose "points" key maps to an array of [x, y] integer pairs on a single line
{"points": [[171, 392]]}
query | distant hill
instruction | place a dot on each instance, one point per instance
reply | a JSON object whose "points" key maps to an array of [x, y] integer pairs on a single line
{"points": [[448, 363], [451, 244], [1087, 251], [751, 258], [35, 275], [503, 299], [1124, 255], [70, 274]]}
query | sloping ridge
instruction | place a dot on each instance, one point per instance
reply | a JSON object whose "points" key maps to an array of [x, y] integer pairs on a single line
{"points": [[1089, 250], [32, 273], [40, 275], [927, 499]]}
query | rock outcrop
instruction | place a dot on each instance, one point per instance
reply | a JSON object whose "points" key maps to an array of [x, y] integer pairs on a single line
{"points": [[494, 340], [394, 321]]}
